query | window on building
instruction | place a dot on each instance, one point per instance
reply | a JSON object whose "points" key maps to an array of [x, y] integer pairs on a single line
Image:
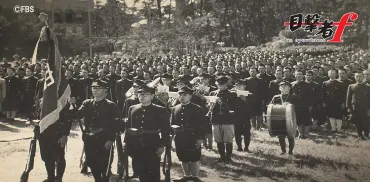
{"points": [[69, 16], [58, 16]]}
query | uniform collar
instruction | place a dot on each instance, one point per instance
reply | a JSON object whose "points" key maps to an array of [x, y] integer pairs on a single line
{"points": [[186, 104]]}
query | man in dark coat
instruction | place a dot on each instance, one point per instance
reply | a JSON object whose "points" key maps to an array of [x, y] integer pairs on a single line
{"points": [[101, 118], [13, 94], [29, 89], [143, 142], [316, 98], [274, 84], [333, 101], [254, 86], [121, 88], [84, 87], [189, 120], [285, 97], [242, 125], [358, 104], [303, 92]]}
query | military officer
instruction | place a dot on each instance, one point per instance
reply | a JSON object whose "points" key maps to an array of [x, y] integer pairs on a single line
{"points": [[242, 118], [29, 89], [143, 142], [101, 117], [285, 97], [333, 101], [220, 115], [189, 120], [122, 86], [358, 104], [302, 91]]}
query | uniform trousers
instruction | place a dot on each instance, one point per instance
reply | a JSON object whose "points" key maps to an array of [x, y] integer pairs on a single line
{"points": [[148, 167], [97, 157], [245, 131], [361, 120], [53, 156], [283, 144]]}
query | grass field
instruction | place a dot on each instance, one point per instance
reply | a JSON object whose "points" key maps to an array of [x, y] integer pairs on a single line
{"points": [[323, 157]]}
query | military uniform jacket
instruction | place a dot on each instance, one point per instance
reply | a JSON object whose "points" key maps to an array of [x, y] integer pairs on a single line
{"points": [[191, 118], [289, 79], [103, 114], [273, 89], [221, 112], [113, 78], [316, 97], [358, 97], [303, 92], [73, 83], [29, 87], [62, 126], [147, 118], [289, 98], [255, 86], [13, 87], [122, 86], [242, 111], [39, 89], [332, 94], [84, 90]]}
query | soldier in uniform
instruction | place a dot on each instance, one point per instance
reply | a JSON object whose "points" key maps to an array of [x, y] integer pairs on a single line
{"points": [[122, 86], [274, 84], [13, 88], [223, 125], [303, 92], [358, 104], [190, 120], [315, 98], [84, 84], [52, 145], [29, 89], [254, 86], [73, 83], [242, 119], [285, 97], [143, 142], [333, 101], [101, 117]]}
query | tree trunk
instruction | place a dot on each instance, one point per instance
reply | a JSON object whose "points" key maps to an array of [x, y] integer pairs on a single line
{"points": [[180, 6], [159, 9]]}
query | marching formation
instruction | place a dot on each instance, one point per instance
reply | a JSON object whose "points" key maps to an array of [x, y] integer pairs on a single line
{"points": [[191, 101]]}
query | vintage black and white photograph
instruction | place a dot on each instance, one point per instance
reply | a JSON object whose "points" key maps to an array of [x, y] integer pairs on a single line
{"points": [[184, 90]]}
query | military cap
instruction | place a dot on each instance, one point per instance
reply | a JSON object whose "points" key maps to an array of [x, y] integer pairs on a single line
{"points": [[138, 82], [146, 88], [166, 75], [99, 83], [284, 83], [222, 80], [240, 81], [185, 89]]}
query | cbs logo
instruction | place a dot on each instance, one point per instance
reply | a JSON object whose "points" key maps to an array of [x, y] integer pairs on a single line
{"points": [[23, 9]]}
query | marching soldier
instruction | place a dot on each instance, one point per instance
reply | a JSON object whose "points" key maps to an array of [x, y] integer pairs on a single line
{"points": [[122, 86], [285, 97], [358, 104], [101, 118], [190, 120], [29, 89], [303, 107], [242, 119], [143, 142], [223, 126], [333, 101], [52, 145]]}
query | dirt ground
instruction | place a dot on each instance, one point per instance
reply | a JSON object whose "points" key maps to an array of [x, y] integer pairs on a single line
{"points": [[323, 157]]}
